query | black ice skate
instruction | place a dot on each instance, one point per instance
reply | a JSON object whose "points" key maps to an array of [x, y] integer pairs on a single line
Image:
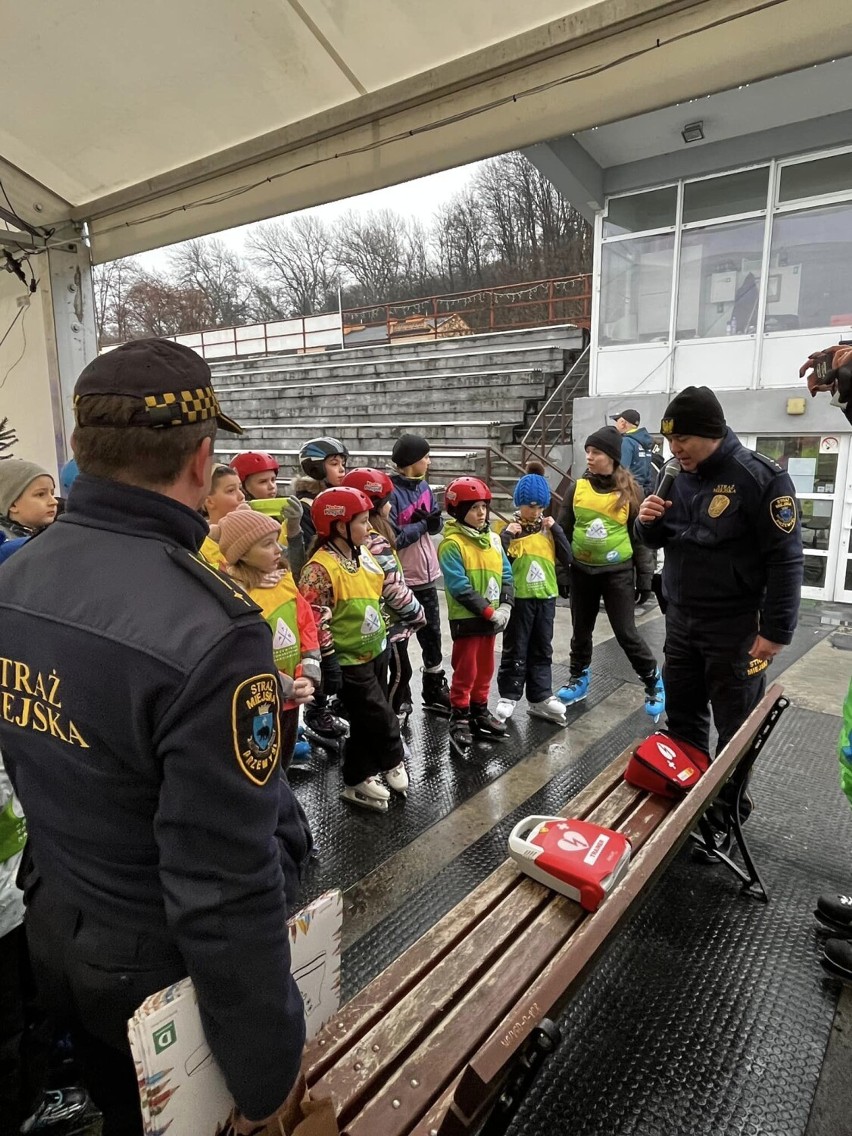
{"points": [[461, 739], [436, 693], [486, 727], [322, 727], [833, 916]]}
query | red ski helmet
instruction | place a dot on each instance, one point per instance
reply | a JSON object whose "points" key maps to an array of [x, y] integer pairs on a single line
{"points": [[340, 504], [465, 491], [253, 461], [373, 483]]}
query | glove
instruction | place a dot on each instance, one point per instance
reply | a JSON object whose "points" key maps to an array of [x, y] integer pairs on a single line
{"points": [[829, 370], [419, 514], [433, 523], [332, 675], [564, 591], [500, 617], [292, 515]]}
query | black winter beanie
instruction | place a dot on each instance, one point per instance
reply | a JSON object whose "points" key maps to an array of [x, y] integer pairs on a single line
{"points": [[608, 441], [408, 449], [696, 410]]}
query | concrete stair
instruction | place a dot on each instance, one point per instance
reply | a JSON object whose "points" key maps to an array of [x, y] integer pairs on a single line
{"points": [[464, 394]]}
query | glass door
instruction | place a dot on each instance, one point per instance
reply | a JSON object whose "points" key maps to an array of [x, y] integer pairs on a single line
{"points": [[817, 465]]}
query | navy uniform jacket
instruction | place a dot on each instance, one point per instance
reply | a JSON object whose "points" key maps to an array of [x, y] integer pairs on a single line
{"points": [[733, 540], [139, 724]]}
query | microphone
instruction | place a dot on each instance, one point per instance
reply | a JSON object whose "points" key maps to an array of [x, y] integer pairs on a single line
{"points": [[670, 472]]}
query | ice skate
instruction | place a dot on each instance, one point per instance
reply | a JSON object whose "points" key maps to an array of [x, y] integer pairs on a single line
{"points": [[301, 751], [551, 710], [485, 726], [461, 739], [833, 916], [324, 728], [436, 693], [397, 778], [504, 709], [655, 696], [58, 1110], [369, 794], [576, 689], [403, 713], [837, 959]]}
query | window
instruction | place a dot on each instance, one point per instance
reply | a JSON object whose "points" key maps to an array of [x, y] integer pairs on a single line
{"points": [[725, 196], [636, 290], [808, 283], [719, 283], [640, 212], [817, 178]]}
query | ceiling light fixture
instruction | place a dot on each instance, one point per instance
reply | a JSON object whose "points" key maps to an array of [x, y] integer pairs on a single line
{"points": [[693, 132]]}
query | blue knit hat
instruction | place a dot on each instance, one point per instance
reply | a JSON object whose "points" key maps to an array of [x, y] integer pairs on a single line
{"points": [[532, 489]]}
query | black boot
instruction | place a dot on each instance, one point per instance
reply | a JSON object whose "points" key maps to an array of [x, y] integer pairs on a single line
{"points": [[436, 693], [834, 915], [461, 738], [484, 724]]}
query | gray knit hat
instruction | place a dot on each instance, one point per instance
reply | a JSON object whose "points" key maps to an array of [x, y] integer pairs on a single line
{"points": [[15, 475]]}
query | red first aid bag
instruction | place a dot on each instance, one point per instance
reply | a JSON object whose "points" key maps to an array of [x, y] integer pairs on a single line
{"points": [[666, 765]]}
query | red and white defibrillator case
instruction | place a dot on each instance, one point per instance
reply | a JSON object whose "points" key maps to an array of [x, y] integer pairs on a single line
{"points": [[574, 857], [665, 765]]}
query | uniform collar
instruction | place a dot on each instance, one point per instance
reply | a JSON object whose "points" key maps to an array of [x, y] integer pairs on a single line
{"points": [[708, 467], [103, 504]]}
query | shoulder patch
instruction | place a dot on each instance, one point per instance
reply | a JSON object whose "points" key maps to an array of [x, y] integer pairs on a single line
{"points": [[773, 465], [230, 595], [783, 513], [254, 721]]}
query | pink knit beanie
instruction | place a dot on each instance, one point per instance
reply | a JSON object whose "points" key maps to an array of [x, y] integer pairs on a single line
{"points": [[240, 529]]}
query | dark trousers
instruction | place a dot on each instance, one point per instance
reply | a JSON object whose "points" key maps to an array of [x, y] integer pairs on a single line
{"points": [[399, 673], [92, 977], [24, 1035], [473, 670], [707, 665], [617, 590], [429, 637], [528, 651], [374, 743], [289, 726]]}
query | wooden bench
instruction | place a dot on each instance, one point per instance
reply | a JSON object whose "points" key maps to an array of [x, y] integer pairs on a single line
{"points": [[461, 1019]]}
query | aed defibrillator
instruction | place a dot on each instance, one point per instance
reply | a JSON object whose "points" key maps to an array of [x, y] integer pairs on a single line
{"points": [[574, 857], [665, 765]]}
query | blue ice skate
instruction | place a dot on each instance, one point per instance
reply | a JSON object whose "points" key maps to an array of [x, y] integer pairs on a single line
{"points": [[655, 695], [577, 688]]}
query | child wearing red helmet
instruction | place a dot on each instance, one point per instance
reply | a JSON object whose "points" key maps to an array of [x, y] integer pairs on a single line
{"points": [[402, 610], [480, 592], [344, 583]]}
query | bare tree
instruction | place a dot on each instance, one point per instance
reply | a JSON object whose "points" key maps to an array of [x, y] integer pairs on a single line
{"points": [[157, 307], [371, 252], [297, 258], [208, 266], [112, 283]]}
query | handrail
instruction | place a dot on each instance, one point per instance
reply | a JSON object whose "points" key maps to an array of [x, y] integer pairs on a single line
{"points": [[557, 390], [492, 451]]}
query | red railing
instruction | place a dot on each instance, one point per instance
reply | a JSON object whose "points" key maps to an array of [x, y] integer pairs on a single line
{"points": [[531, 303]]}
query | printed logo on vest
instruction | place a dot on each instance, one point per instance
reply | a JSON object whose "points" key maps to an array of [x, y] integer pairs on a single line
{"points": [[283, 636], [596, 530], [492, 592], [535, 574], [613, 555], [372, 621]]}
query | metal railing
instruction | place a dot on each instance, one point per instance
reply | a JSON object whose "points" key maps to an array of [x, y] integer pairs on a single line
{"points": [[551, 427], [504, 307], [494, 481]]}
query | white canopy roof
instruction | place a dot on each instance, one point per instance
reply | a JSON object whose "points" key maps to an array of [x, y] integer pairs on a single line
{"points": [[160, 121]]}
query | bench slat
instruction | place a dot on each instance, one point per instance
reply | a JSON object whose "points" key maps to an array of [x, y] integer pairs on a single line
{"points": [[358, 1015]]}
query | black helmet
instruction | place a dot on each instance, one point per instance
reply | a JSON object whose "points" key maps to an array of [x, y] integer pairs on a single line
{"points": [[313, 455]]}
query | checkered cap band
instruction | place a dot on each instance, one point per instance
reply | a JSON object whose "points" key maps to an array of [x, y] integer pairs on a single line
{"points": [[181, 408]]}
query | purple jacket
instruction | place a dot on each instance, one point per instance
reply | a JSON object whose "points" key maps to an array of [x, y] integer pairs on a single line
{"points": [[414, 543]]}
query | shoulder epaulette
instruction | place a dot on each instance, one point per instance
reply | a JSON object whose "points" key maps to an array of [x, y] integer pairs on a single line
{"points": [[230, 595], [773, 465]]}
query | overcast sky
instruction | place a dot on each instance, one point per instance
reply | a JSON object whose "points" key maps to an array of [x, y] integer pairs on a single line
{"points": [[418, 198]]}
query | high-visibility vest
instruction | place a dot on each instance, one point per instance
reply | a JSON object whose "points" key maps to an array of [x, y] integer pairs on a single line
{"points": [[359, 631], [278, 605], [534, 566], [600, 526]]}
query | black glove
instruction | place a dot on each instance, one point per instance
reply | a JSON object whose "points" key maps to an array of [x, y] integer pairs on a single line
{"points": [[332, 675], [564, 591], [433, 523], [419, 514]]}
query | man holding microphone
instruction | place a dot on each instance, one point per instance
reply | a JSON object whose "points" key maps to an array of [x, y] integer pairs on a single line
{"points": [[729, 524]]}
